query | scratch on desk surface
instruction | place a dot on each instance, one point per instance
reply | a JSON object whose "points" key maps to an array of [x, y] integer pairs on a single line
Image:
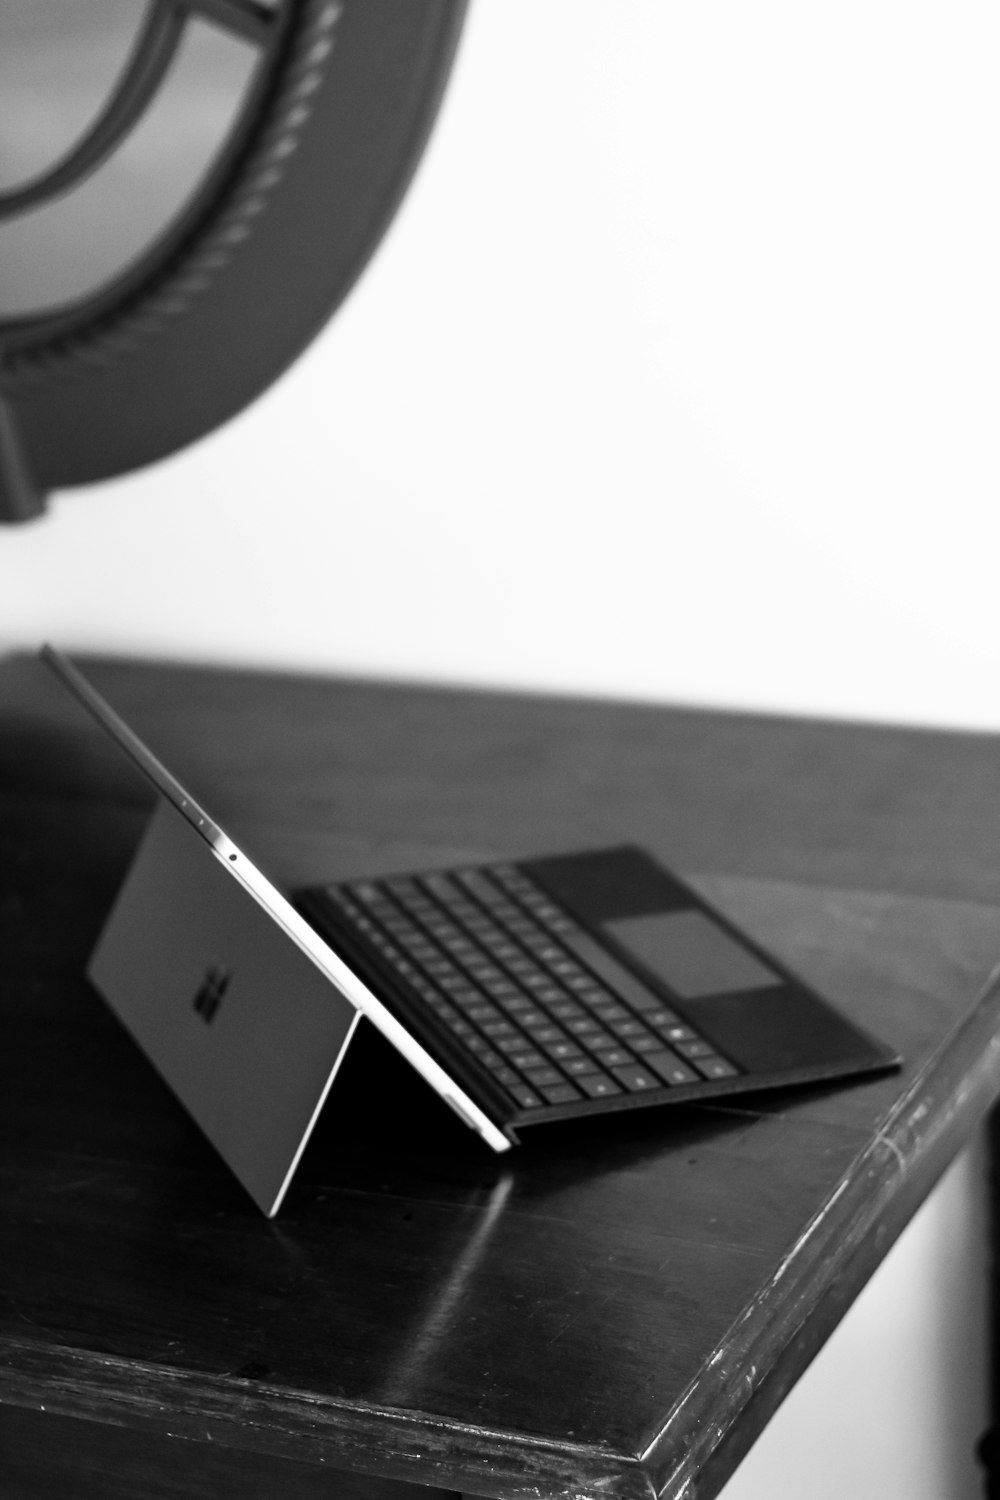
{"points": [[20, 1313], [892, 1147]]}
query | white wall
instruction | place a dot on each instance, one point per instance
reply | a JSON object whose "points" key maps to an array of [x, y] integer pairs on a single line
{"points": [[893, 1406], [677, 376]]}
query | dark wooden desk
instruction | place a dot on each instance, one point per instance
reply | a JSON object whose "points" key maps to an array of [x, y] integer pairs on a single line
{"points": [[615, 1312]]}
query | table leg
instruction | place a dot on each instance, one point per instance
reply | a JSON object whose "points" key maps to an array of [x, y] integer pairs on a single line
{"points": [[989, 1444]]}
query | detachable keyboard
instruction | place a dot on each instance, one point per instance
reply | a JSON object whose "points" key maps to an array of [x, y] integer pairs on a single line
{"points": [[534, 1008]]}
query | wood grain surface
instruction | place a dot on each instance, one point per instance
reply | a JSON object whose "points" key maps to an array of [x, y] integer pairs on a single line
{"points": [[616, 1308]]}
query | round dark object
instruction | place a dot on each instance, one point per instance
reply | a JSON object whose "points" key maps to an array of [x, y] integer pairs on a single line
{"points": [[268, 248]]}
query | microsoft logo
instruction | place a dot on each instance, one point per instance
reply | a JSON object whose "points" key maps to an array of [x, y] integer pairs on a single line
{"points": [[210, 992]]}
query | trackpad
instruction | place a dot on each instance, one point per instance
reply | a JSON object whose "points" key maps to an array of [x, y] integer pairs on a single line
{"points": [[691, 953]]}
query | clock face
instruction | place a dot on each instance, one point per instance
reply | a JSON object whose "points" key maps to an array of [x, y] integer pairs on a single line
{"points": [[115, 114]]}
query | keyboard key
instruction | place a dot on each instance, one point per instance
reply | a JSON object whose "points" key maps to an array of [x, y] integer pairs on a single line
{"points": [[527, 1098], [498, 1029], [613, 1013], [516, 1046], [541, 1077], [695, 1049], [526, 1059], [546, 1035], [480, 885], [715, 1067], [518, 1004], [661, 1017], [635, 1078], [645, 1043], [365, 890], [552, 996], [561, 1050], [482, 1012], [503, 1073], [577, 1066], [668, 1066], [460, 948], [543, 949], [565, 1009], [584, 1026], [631, 1028], [501, 989], [602, 1042], [560, 1093], [463, 995], [492, 1059], [599, 1086], [455, 983], [483, 969]]}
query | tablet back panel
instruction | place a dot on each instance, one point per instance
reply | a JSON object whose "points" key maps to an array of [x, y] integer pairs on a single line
{"points": [[242, 1025]]}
